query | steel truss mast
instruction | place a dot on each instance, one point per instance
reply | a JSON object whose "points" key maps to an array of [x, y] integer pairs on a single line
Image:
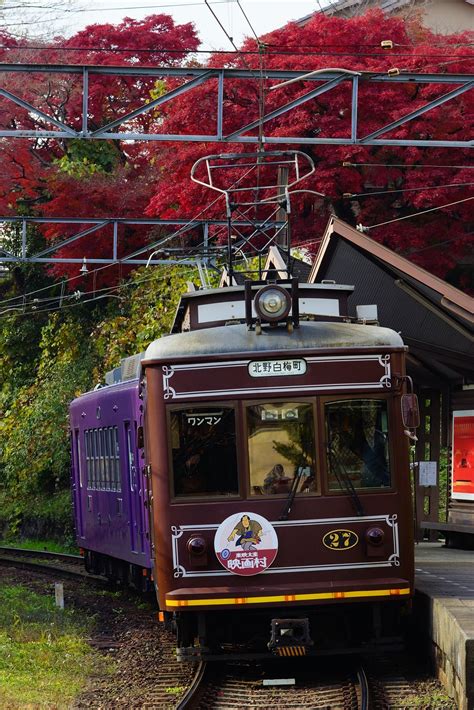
{"points": [[123, 128], [111, 228]]}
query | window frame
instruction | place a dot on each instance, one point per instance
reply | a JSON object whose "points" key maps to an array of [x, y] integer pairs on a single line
{"points": [[210, 497], [245, 420], [87, 454], [95, 460], [115, 459], [338, 397], [108, 484], [103, 466]]}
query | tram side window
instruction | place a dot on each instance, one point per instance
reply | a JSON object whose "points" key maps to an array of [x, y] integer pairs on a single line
{"points": [[357, 444], [281, 446], [204, 455], [102, 459]]}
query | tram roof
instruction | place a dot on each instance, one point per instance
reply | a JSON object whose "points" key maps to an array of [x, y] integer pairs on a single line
{"points": [[223, 340]]}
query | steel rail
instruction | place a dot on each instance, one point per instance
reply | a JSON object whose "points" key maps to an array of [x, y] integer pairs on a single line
{"points": [[27, 564], [186, 701], [234, 690], [41, 554], [364, 689], [78, 126], [24, 559]]}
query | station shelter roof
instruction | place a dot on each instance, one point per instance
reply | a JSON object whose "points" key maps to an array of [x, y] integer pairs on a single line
{"points": [[435, 319]]}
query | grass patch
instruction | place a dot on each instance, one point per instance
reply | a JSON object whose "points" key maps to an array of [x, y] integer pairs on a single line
{"points": [[175, 689], [44, 657], [434, 699]]}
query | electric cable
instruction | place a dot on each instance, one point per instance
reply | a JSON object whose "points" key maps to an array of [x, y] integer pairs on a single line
{"points": [[363, 228], [91, 272], [248, 22], [110, 9], [438, 244], [404, 165], [350, 195], [231, 40], [175, 234], [103, 293], [261, 95], [193, 4], [243, 52], [322, 10], [211, 204], [107, 290]]}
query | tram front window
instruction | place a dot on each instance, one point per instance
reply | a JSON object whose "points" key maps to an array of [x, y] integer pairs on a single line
{"points": [[281, 448], [357, 440], [204, 452]]}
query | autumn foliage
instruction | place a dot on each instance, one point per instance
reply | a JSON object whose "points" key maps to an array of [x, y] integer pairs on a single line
{"points": [[97, 178]]}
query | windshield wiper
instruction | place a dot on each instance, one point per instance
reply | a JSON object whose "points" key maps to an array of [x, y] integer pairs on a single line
{"points": [[344, 480], [291, 495]]}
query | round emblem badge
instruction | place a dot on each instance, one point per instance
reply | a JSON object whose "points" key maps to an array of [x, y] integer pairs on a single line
{"points": [[246, 544]]}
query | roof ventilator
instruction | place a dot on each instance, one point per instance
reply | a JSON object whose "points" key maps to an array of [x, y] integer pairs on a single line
{"points": [[367, 315]]}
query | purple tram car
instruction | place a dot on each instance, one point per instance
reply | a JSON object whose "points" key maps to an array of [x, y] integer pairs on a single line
{"points": [[269, 495], [109, 478]]}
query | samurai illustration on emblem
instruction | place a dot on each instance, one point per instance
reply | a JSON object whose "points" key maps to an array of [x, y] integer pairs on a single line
{"points": [[254, 543], [249, 532]]}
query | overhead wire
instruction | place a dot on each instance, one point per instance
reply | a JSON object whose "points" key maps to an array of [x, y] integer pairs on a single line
{"points": [[103, 291], [231, 39], [195, 248], [363, 228], [407, 165], [350, 195], [438, 244], [244, 52], [92, 272], [248, 22], [35, 310], [123, 262], [261, 98], [60, 8], [68, 11], [111, 9], [241, 52]]}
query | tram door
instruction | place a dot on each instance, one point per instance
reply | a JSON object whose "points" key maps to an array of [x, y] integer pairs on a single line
{"points": [[134, 494], [78, 482]]}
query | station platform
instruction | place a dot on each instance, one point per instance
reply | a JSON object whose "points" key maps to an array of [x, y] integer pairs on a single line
{"points": [[444, 606]]}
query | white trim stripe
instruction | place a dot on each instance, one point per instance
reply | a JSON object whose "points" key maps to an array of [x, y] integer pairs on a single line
{"points": [[390, 520]]}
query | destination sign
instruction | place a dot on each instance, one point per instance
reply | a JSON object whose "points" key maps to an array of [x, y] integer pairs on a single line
{"points": [[276, 368]]}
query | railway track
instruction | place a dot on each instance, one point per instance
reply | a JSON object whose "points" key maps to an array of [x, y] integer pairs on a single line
{"points": [[380, 684], [70, 566], [330, 684], [277, 685]]}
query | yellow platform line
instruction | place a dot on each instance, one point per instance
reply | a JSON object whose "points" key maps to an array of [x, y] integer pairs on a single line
{"points": [[358, 594]]}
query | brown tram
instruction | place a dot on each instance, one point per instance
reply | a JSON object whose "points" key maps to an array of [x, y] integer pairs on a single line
{"points": [[280, 499]]}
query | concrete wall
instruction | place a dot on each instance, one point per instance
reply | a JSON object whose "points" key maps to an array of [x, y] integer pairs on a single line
{"points": [[449, 16], [449, 622]]}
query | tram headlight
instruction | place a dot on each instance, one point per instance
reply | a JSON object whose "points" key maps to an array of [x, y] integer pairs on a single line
{"points": [[272, 303], [196, 545], [374, 536]]}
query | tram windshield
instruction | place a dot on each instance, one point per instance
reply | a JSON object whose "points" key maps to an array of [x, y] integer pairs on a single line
{"points": [[281, 448], [204, 452], [357, 444]]}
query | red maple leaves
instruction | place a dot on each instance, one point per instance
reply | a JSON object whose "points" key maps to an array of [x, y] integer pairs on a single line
{"points": [[93, 178]]}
